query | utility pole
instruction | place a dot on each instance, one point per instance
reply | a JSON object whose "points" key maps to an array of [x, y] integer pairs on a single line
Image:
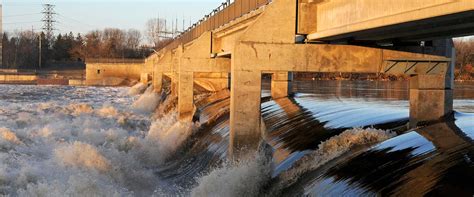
{"points": [[40, 54]]}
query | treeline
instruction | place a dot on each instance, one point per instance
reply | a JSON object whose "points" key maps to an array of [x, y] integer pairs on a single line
{"points": [[22, 49], [464, 58]]}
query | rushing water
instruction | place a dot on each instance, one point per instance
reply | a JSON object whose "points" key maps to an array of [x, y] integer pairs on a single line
{"points": [[330, 138]]}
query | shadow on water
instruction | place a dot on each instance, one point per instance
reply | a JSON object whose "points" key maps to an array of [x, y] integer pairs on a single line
{"points": [[434, 160]]}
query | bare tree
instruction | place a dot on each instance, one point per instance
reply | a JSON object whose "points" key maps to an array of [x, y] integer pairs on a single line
{"points": [[154, 31], [134, 37], [464, 52], [114, 42]]}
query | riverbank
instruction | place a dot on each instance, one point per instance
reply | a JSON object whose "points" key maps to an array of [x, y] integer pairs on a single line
{"points": [[42, 77]]}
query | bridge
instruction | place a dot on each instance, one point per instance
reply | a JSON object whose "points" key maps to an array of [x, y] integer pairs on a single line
{"points": [[242, 39]]}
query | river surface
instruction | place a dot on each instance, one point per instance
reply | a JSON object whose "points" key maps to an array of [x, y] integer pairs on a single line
{"points": [[330, 138]]}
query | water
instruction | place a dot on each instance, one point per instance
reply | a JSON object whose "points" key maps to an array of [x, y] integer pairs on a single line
{"points": [[330, 138]]}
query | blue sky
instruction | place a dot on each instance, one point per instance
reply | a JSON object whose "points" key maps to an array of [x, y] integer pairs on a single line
{"points": [[85, 15]]}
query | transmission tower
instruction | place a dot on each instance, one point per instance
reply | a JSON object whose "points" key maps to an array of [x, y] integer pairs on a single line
{"points": [[48, 20]]}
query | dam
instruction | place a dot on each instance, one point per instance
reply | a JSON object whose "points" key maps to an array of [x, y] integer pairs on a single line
{"points": [[258, 98], [248, 38]]}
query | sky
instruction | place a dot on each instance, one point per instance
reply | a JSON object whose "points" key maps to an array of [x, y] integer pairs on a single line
{"points": [[81, 16]]}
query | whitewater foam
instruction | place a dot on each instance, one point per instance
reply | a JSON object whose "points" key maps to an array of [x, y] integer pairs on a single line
{"points": [[243, 178], [137, 89], [107, 111], [82, 155], [71, 146], [8, 139], [331, 149], [80, 108], [165, 136], [147, 102]]}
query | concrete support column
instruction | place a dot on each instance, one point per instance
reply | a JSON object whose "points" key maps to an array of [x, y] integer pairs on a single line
{"points": [[185, 95], [281, 84], [158, 81], [174, 84], [431, 98], [245, 134], [144, 78]]}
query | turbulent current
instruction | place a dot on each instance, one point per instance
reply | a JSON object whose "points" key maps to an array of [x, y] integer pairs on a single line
{"points": [[346, 140]]}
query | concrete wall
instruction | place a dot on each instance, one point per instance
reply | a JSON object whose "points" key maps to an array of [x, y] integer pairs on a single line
{"points": [[97, 73], [21, 79]]}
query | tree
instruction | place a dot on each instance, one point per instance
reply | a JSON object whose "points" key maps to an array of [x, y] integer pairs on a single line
{"points": [[21, 48], [134, 37], [93, 44], [114, 43], [77, 50], [464, 52]]}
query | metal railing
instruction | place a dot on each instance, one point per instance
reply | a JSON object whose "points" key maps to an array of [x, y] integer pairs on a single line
{"points": [[114, 61], [225, 13]]}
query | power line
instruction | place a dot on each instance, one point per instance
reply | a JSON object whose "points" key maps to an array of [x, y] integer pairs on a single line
{"points": [[76, 21], [18, 5], [18, 15], [22, 22]]}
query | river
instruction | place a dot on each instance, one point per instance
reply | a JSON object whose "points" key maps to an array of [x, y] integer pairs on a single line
{"points": [[329, 138]]}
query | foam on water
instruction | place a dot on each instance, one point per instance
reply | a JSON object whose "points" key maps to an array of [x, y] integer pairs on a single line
{"points": [[65, 146], [244, 178], [8, 139], [333, 148], [164, 138], [147, 102], [137, 89], [82, 155]]}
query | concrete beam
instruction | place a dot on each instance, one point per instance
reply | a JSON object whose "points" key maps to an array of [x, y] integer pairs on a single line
{"points": [[319, 57], [346, 16], [206, 64]]}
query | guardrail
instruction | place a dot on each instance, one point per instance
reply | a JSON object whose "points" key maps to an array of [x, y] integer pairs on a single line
{"points": [[225, 13], [114, 61]]}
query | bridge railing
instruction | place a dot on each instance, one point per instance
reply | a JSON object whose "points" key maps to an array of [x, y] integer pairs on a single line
{"points": [[114, 61], [225, 13]]}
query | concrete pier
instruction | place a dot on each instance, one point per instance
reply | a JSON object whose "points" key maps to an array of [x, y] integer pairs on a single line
{"points": [[157, 81], [185, 95], [431, 98], [282, 83], [245, 134]]}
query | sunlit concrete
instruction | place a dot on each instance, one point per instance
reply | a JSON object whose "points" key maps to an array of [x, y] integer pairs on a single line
{"points": [[263, 41]]}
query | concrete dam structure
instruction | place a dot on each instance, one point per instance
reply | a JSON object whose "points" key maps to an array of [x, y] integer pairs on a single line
{"points": [[243, 39]]}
